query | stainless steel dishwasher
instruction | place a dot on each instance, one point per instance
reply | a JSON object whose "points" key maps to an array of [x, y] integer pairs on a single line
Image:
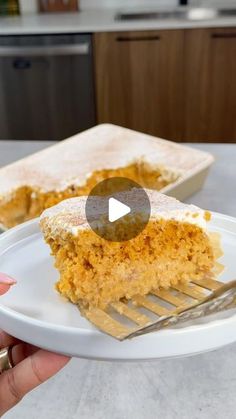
{"points": [[46, 86]]}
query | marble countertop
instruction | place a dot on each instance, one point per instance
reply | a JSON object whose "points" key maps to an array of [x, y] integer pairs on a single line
{"points": [[199, 387], [100, 20]]}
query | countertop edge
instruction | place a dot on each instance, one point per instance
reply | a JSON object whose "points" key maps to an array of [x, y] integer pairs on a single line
{"points": [[93, 21]]}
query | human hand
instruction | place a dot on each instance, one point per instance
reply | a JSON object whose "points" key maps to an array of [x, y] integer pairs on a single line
{"points": [[31, 365]]}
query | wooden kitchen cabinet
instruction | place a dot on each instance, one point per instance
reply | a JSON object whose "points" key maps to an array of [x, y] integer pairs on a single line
{"points": [[139, 81], [210, 85]]}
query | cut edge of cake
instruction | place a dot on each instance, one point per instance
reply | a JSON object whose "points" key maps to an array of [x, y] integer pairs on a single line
{"points": [[97, 272]]}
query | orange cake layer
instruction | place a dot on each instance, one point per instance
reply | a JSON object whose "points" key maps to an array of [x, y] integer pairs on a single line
{"points": [[72, 167], [174, 247]]}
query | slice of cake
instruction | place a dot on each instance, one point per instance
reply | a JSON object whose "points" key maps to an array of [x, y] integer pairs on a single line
{"points": [[73, 167], [173, 247]]}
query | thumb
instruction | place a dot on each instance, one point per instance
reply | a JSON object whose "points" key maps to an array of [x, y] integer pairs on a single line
{"points": [[5, 283]]}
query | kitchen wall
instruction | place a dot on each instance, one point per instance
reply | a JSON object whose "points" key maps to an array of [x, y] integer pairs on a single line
{"points": [[30, 6], [85, 4], [213, 3]]}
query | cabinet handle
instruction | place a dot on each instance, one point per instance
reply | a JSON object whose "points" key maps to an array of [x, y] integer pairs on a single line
{"points": [[138, 38], [36, 51], [21, 64], [229, 35]]}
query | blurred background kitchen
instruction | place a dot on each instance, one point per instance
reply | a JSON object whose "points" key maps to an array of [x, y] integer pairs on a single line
{"points": [[164, 67]]}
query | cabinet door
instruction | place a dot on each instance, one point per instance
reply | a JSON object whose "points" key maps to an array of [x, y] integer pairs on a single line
{"points": [[139, 81], [210, 85]]}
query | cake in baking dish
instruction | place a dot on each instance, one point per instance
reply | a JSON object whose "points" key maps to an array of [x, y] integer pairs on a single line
{"points": [[173, 247], [73, 167]]}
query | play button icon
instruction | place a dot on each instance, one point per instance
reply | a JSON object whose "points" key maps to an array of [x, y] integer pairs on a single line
{"points": [[117, 209]]}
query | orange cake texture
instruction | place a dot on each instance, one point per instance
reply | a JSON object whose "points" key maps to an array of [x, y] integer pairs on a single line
{"points": [[174, 247], [73, 167]]}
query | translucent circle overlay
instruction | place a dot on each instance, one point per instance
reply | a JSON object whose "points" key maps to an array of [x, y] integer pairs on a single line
{"points": [[127, 192]]}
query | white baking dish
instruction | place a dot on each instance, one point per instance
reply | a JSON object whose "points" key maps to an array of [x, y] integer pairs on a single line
{"points": [[106, 146]]}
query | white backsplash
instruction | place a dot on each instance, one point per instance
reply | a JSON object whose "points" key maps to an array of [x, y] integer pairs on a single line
{"points": [[96, 4], [213, 3], [30, 6]]}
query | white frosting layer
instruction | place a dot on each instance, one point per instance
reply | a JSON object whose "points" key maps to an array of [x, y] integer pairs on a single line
{"points": [[70, 216]]}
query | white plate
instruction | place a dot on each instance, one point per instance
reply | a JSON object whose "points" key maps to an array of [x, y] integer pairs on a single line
{"points": [[34, 312]]}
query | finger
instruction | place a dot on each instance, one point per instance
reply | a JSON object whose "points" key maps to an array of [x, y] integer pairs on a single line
{"points": [[22, 351], [28, 374], [6, 279], [5, 283], [4, 288], [7, 340]]}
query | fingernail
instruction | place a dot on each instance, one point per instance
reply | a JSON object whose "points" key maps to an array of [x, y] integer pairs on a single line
{"points": [[5, 279]]}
